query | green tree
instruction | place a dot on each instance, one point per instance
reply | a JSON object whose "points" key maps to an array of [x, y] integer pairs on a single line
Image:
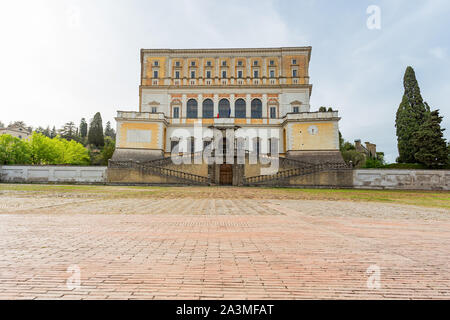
{"points": [[322, 109], [429, 140], [410, 114], [108, 150], [13, 150], [83, 128], [68, 131], [42, 149], [109, 131], [53, 133], [70, 152], [95, 134]]}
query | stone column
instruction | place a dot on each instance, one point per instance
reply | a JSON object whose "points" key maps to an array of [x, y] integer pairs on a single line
{"points": [[216, 105]]}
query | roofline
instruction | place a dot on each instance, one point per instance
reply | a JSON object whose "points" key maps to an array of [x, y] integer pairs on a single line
{"points": [[226, 50]]}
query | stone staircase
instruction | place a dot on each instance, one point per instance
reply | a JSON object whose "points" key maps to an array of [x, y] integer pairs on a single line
{"points": [[300, 168], [156, 167]]}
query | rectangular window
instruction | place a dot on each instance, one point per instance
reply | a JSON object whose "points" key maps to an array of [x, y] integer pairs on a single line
{"points": [[239, 73], [156, 63], [273, 112], [154, 109], [294, 73], [177, 63], [208, 63], [295, 109], [255, 74], [176, 112], [155, 74], [173, 145], [192, 63], [177, 74], [294, 61], [255, 63], [240, 63], [271, 62], [224, 63], [272, 73], [224, 74], [192, 74], [208, 74]]}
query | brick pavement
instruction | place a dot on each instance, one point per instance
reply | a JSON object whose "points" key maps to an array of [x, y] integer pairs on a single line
{"points": [[224, 249]]}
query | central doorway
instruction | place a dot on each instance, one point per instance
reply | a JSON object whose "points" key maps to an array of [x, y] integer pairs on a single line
{"points": [[226, 174]]}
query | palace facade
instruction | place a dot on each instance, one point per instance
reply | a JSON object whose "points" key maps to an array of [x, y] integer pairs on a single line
{"points": [[259, 94]]}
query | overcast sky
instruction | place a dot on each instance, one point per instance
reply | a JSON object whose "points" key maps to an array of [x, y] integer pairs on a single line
{"points": [[64, 60]]}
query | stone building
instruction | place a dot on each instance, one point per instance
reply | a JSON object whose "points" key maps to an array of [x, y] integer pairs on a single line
{"points": [[16, 131], [194, 99]]}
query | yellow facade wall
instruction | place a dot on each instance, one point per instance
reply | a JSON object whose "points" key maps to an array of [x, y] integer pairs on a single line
{"points": [[153, 144], [324, 139]]}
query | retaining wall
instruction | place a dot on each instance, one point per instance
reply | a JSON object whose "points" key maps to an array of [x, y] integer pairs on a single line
{"points": [[53, 174], [403, 179]]}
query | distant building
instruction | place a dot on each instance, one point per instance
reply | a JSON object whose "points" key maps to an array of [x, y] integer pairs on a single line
{"points": [[370, 150], [16, 131]]}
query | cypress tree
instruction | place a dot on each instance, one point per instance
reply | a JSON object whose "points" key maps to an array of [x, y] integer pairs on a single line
{"points": [[109, 132], [410, 115], [53, 133], [83, 128], [95, 134], [430, 142]]}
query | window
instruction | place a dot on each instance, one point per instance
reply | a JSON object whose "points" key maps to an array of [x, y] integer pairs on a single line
{"points": [[156, 63], [239, 73], [224, 63], [256, 145], [294, 61], [208, 63], [155, 74], [256, 109], [271, 62], [239, 63], [224, 74], [173, 145], [177, 63], [176, 112], [255, 63], [177, 74], [272, 73], [192, 74], [224, 108], [255, 74], [191, 109], [206, 144], [193, 63], [239, 109], [295, 109], [154, 109], [294, 73], [273, 112], [208, 109]]}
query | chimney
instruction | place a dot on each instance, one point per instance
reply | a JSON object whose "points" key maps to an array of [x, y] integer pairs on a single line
{"points": [[358, 145]]}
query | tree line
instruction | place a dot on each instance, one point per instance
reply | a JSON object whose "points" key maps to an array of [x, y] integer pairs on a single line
{"points": [[86, 144]]}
